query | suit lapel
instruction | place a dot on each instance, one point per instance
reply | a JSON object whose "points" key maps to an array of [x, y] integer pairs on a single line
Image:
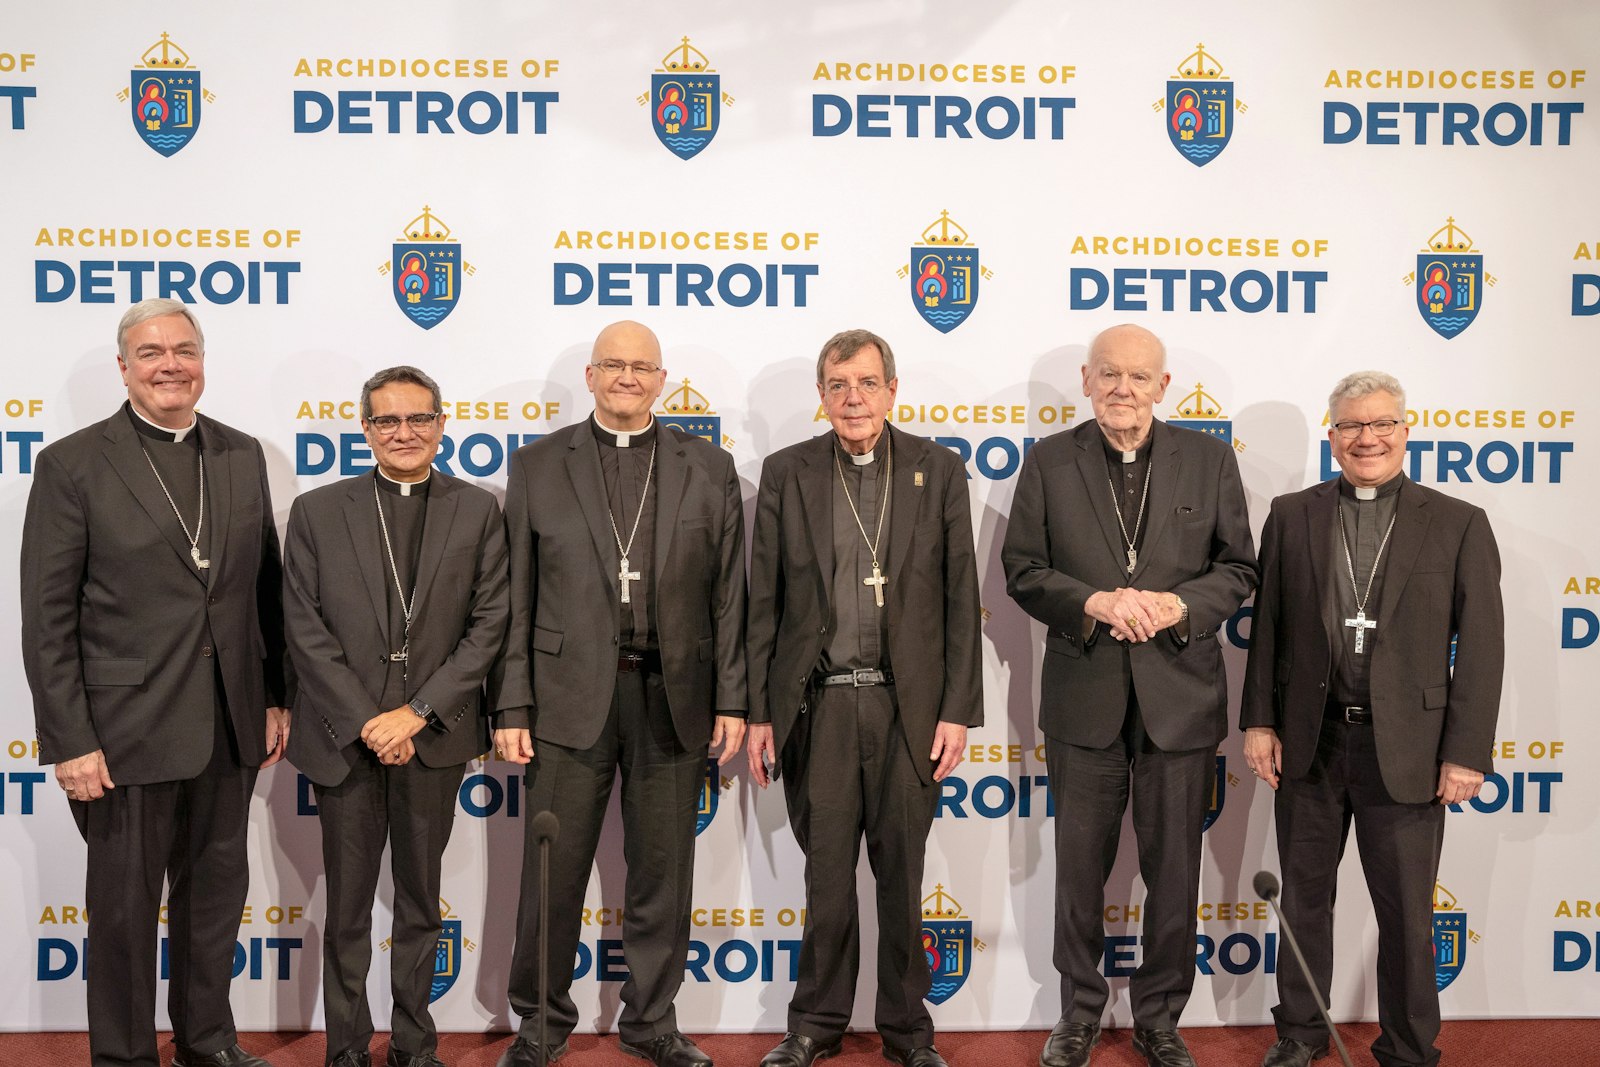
{"points": [[589, 486], [439, 517], [219, 488], [816, 495], [361, 517], [1092, 466], [126, 456], [1319, 540], [905, 496], [1166, 470], [672, 473], [1410, 530]]}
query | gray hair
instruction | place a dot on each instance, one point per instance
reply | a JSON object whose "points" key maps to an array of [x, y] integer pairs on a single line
{"points": [[155, 308], [842, 347], [401, 375], [1365, 383]]}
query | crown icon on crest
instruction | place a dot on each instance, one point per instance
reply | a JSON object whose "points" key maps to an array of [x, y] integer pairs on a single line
{"points": [[940, 905], [686, 401], [1200, 64], [165, 55], [1200, 404], [685, 57], [427, 227], [944, 231], [1443, 899], [1450, 238]]}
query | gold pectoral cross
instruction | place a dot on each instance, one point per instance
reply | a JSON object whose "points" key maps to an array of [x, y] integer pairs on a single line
{"points": [[625, 576], [877, 581], [1361, 624]]}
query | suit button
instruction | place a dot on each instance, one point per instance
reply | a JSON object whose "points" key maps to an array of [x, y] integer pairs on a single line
{"points": [[211, 600], [823, 630], [206, 651]]}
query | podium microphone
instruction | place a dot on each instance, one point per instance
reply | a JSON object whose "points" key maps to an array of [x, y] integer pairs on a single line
{"points": [[545, 828], [1266, 885]]}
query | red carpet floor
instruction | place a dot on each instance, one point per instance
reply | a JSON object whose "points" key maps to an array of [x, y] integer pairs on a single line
{"points": [[1519, 1043]]}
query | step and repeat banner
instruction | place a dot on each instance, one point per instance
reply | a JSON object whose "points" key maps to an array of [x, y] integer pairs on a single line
{"points": [[1283, 192]]}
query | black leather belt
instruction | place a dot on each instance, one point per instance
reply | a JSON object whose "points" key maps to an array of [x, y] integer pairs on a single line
{"points": [[1353, 714], [865, 676], [628, 662]]}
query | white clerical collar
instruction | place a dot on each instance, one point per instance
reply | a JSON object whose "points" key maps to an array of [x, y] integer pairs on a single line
{"points": [[177, 435], [406, 488], [871, 456], [1130, 457], [1366, 492], [623, 436]]}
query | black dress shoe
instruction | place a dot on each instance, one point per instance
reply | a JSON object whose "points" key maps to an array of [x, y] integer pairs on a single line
{"points": [[525, 1053], [1162, 1048], [798, 1050], [668, 1050], [1291, 1053], [397, 1058], [352, 1058], [921, 1056], [233, 1056], [1069, 1045]]}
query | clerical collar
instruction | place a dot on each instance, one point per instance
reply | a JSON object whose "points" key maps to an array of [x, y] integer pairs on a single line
{"points": [[1117, 455], [159, 433], [1372, 492], [870, 456], [390, 485], [622, 438]]}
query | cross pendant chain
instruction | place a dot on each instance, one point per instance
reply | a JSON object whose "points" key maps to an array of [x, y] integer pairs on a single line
{"points": [[626, 577], [403, 656], [200, 520], [1361, 624], [1133, 559], [194, 554], [1138, 523], [877, 581]]}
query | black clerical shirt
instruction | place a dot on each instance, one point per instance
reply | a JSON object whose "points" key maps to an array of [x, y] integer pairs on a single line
{"points": [[1364, 524], [859, 637], [627, 472]]}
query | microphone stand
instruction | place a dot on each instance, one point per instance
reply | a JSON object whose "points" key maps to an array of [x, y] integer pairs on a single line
{"points": [[1266, 886]]}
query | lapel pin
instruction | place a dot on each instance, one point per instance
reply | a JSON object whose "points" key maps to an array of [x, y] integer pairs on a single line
{"points": [[916, 479]]}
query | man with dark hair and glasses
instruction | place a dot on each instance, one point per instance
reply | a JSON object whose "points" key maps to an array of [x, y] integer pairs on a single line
{"points": [[1371, 696], [625, 655], [396, 597], [865, 673]]}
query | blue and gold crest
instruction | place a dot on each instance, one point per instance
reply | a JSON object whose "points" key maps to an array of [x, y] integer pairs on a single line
{"points": [[944, 274], [1199, 107], [947, 944], [1450, 281], [446, 959], [1219, 793], [1201, 411], [1450, 936], [685, 101], [426, 269], [165, 97], [710, 790], [688, 410]]}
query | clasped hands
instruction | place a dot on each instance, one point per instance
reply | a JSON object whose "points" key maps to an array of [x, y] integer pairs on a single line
{"points": [[1134, 615], [389, 735]]}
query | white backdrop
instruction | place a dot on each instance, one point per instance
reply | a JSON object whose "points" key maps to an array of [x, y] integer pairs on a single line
{"points": [[1356, 131]]}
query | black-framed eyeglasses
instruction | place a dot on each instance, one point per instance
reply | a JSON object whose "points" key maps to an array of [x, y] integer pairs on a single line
{"points": [[421, 422], [1349, 431]]}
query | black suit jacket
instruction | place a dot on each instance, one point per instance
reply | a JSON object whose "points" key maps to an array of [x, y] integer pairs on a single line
{"points": [[931, 598], [1441, 578], [1063, 545], [123, 641], [559, 670], [336, 598]]}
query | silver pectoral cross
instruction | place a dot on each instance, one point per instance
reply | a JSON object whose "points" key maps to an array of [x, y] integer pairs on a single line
{"points": [[877, 581], [1133, 559], [194, 554], [1361, 624], [625, 576]]}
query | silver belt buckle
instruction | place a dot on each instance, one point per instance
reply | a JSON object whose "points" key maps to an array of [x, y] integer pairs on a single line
{"points": [[859, 676], [1345, 714]]}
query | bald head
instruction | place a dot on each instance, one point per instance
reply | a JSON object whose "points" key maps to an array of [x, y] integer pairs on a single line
{"points": [[1125, 378], [628, 341], [1128, 339]]}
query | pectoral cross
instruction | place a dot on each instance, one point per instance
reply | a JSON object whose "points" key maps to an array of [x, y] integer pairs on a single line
{"points": [[877, 581], [194, 554], [1133, 559], [400, 657], [625, 576], [1361, 624]]}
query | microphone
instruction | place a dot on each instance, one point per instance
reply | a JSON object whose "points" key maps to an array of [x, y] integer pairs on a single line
{"points": [[544, 827], [1266, 886]]}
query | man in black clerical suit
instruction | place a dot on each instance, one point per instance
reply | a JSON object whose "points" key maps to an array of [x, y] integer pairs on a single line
{"points": [[396, 599], [152, 638], [625, 653], [1357, 708], [865, 673], [1129, 539]]}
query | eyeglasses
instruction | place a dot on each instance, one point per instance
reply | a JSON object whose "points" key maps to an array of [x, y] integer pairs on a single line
{"points": [[613, 368], [869, 387], [1349, 431], [421, 422]]}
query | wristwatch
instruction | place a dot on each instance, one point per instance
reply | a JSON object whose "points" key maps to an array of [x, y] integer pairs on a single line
{"points": [[423, 711], [1183, 609]]}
